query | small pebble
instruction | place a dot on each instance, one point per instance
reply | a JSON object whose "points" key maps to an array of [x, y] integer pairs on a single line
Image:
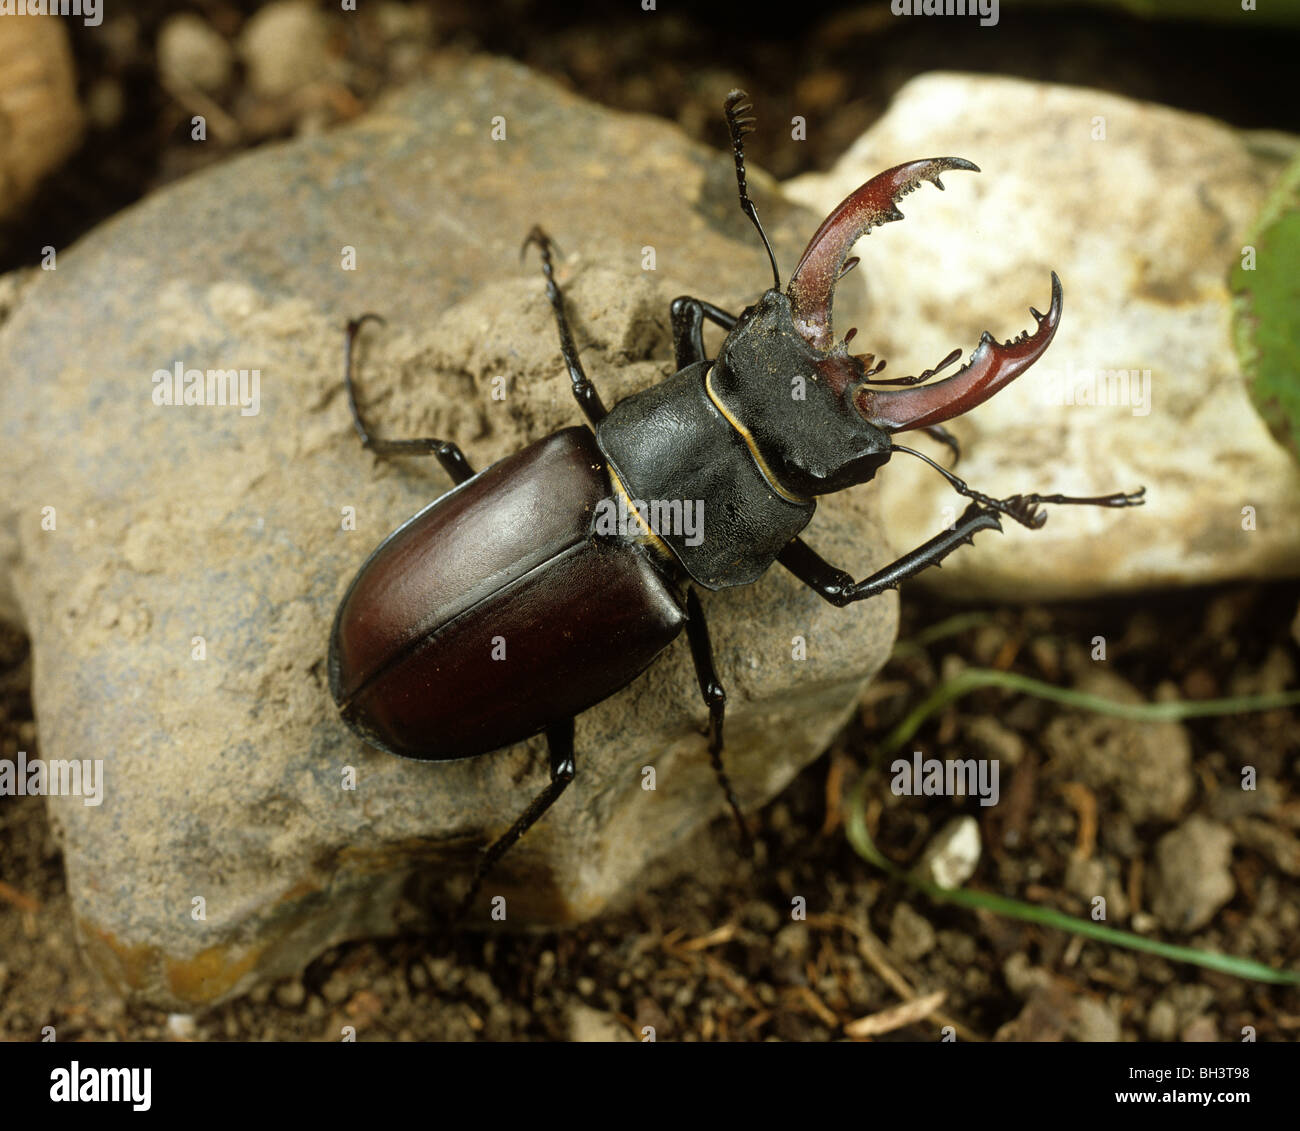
{"points": [[285, 46], [105, 103], [193, 53], [181, 1026], [951, 857], [335, 989], [1162, 1021], [792, 940], [291, 994], [910, 934]]}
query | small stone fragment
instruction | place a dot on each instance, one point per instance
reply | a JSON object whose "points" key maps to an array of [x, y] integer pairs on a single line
{"points": [[587, 1025], [285, 46], [910, 934], [192, 52], [1192, 877], [181, 1026], [950, 859]]}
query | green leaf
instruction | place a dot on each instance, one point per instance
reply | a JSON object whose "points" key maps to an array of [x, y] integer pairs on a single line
{"points": [[1266, 311]]}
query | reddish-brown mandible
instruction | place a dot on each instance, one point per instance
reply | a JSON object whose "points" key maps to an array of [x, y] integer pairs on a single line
{"points": [[825, 261]]}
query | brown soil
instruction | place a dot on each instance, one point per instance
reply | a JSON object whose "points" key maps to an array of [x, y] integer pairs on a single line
{"points": [[698, 964]]}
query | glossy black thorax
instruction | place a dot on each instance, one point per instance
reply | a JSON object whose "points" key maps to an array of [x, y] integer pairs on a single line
{"points": [[751, 437], [668, 445], [795, 403]]}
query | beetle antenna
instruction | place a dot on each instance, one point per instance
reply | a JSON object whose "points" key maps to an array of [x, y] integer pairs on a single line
{"points": [[1032, 519], [1026, 509], [736, 106]]}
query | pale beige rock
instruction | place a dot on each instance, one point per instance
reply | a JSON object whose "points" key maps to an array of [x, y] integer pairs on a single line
{"points": [[1142, 228], [951, 857], [40, 118], [192, 52], [286, 46], [587, 1025]]}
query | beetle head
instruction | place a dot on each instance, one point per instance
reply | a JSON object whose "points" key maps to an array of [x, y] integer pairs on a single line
{"points": [[794, 402], [782, 349]]}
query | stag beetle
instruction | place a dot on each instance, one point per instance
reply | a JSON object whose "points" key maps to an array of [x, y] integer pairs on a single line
{"points": [[512, 550]]}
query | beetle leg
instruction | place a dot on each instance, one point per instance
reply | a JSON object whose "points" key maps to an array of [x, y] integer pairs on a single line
{"points": [[448, 454], [940, 433], [715, 697], [839, 588], [583, 390], [688, 315], [559, 744]]}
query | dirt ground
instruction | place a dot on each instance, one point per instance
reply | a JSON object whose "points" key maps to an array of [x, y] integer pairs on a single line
{"points": [[708, 961], [718, 957]]}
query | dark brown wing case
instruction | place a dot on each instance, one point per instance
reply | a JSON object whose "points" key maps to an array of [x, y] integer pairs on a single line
{"points": [[495, 612]]}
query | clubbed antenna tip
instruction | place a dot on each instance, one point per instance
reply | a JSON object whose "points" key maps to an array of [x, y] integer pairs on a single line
{"points": [[736, 108]]}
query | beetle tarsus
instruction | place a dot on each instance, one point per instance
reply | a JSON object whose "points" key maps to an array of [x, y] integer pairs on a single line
{"points": [[1026, 509], [447, 453], [940, 433], [349, 339], [536, 236], [355, 324]]}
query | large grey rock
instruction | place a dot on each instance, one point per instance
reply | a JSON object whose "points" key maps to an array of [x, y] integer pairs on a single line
{"points": [[1143, 226], [223, 775]]}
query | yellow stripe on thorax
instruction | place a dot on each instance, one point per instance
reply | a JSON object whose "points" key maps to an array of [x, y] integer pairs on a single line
{"points": [[749, 443], [648, 534]]}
